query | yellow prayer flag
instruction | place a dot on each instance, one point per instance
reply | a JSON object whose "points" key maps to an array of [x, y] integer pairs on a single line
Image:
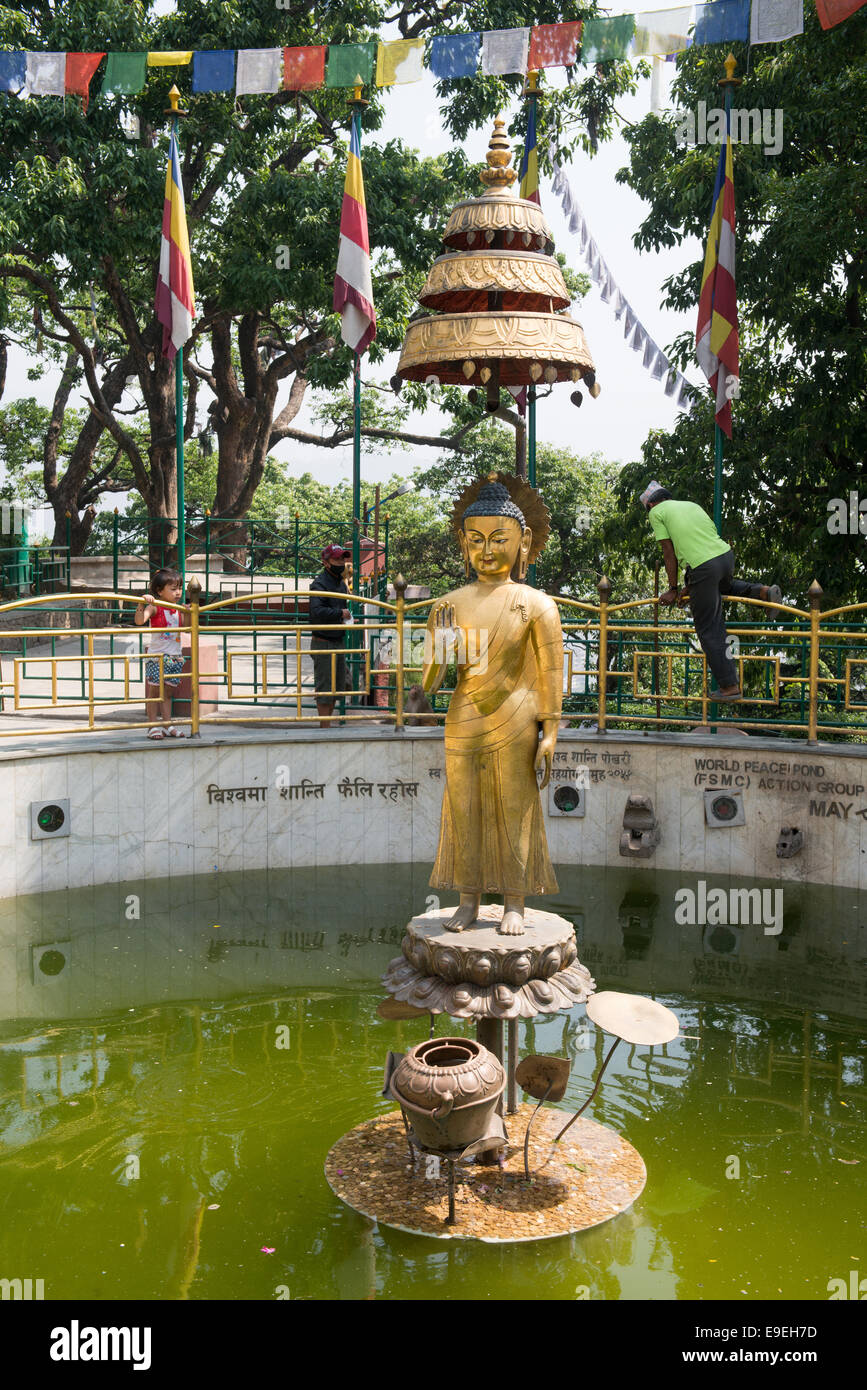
{"points": [[170, 60], [399, 61]]}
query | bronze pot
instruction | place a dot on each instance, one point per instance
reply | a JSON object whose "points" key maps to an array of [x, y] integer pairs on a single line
{"points": [[448, 1088]]}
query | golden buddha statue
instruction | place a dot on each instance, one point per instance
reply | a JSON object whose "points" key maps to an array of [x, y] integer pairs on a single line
{"points": [[508, 643]]}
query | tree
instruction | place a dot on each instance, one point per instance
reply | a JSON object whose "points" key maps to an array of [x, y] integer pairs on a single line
{"points": [[577, 491], [80, 210], [800, 425]]}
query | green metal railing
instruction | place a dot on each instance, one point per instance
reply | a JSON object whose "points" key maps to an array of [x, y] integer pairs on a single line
{"points": [[802, 671], [34, 569], [226, 553]]}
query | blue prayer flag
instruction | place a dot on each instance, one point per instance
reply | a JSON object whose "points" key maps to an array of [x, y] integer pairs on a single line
{"points": [[455, 55], [214, 71], [723, 21], [13, 71]]}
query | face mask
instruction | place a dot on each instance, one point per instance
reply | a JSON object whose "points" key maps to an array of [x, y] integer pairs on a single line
{"points": [[336, 570]]}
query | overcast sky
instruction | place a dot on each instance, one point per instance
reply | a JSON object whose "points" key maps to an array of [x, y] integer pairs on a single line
{"points": [[631, 403]]}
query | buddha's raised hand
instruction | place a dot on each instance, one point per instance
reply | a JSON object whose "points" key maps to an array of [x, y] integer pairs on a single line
{"points": [[441, 640], [446, 634]]}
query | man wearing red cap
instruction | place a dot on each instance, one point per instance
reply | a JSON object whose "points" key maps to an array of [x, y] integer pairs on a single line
{"points": [[326, 643]]}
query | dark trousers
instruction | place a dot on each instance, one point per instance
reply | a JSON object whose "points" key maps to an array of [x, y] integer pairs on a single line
{"points": [[707, 584]]}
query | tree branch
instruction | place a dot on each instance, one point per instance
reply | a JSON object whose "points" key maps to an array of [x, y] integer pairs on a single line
{"points": [[332, 441], [55, 424], [98, 404]]}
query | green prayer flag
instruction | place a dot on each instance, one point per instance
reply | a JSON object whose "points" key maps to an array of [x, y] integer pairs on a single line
{"points": [[607, 38], [349, 63], [125, 73]]}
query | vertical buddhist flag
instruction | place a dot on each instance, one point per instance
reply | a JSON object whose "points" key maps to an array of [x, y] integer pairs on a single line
{"points": [[175, 305], [716, 339], [529, 187], [353, 289]]}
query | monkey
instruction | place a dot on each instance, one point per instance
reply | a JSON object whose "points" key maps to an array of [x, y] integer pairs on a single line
{"points": [[417, 704]]}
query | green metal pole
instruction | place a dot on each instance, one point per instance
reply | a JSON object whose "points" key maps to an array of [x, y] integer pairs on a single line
{"points": [[727, 83], [355, 665], [23, 566], [179, 440], [532, 80], [531, 436], [531, 390], [179, 445], [531, 458], [718, 434], [356, 475], [297, 570], [357, 104]]}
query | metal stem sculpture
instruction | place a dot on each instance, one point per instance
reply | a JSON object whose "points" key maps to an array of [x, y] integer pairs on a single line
{"points": [[631, 1017], [548, 1075]]}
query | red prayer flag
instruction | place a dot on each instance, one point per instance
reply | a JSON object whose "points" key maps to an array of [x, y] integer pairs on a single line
{"points": [[80, 68], [304, 68], [554, 45], [833, 12]]}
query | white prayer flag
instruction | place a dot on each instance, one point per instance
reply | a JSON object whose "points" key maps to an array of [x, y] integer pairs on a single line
{"points": [[772, 21], [619, 303], [660, 366], [259, 70], [629, 322], [656, 83], [46, 74], [576, 221], [671, 384], [684, 395], [650, 351], [663, 31], [639, 339], [505, 50]]}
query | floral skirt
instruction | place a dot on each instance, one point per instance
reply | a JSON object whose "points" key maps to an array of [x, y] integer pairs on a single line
{"points": [[172, 667]]}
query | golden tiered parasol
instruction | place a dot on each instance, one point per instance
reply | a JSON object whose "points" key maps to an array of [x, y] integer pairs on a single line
{"points": [[498, 297]]}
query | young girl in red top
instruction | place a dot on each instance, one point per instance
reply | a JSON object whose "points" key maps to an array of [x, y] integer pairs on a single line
{"points": [[165, 586]]}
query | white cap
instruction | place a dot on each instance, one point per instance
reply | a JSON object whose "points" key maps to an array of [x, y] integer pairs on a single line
{"points": [[651, 488]]}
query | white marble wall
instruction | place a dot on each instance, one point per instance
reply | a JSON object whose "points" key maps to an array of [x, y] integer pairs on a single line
{"points": [[144, 811]]}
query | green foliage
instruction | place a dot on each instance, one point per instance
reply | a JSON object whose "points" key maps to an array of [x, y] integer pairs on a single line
{"points": [[800, 426], [263, 177], [577, 491]]}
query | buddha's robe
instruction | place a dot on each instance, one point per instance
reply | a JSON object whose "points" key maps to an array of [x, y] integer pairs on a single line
{"points": [[492, 833]]}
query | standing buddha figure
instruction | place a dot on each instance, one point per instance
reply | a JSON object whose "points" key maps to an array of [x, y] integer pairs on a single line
{"points": [[508, 643]]}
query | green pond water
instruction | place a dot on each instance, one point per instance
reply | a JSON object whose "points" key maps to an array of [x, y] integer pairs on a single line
{"points": [[171, 1081]]}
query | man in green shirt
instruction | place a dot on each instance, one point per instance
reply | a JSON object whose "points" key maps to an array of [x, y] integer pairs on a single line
{"points": [[689, 538]]}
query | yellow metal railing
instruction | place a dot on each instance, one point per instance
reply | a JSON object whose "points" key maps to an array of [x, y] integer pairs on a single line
{"points": [[622, 642]]}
